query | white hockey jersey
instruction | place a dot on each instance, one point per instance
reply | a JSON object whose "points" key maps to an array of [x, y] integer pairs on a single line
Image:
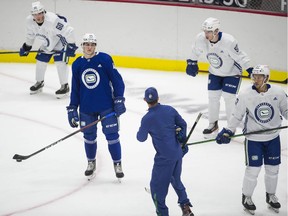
{"points": [[54, 33], [225, 57], [263, 111]]}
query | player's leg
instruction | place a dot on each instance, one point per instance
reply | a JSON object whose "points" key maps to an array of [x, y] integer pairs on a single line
{"points": [[272, 159], [180, 190], [214, 96], [254, 161], [230, 89], [90, 141], [159, 184], [42, 60], [110, 128], [62, 69]]}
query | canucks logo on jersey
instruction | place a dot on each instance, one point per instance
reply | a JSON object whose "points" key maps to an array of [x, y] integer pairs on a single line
{"points": [[214, 60], [264, 112], [90, 78]]}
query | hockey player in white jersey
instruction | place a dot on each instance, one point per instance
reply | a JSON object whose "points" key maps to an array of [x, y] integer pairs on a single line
{"points": [[263, 106], [226, 62], [57, 39]]}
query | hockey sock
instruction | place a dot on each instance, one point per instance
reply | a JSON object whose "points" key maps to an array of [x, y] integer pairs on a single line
{"points": [[90, 148], [115, 149]]}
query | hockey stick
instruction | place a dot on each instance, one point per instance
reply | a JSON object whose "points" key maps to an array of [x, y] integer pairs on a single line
{"points": [[15, 52], [19, 158], [193, 127], [242, 76], [32, 51], [237, 135]]}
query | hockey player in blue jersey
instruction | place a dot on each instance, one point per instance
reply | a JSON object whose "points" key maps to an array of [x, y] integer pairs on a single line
{"points": [[161, 122], [263, 106], [97, 90]]}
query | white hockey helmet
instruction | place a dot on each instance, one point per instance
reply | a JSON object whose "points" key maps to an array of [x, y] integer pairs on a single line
{"points": [[211, 24], [263, 70], [89, 38], [37, 8]]}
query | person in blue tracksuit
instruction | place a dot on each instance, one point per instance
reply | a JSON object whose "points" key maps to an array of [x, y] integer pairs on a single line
{"points": [[162, 122]]}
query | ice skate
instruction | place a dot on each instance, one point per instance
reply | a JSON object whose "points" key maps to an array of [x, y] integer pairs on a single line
{"points": [[118, 170], [211, 131], [90, 171], [272, 202], [37, 87], [186, 211], [248, 204], [63, 91]]}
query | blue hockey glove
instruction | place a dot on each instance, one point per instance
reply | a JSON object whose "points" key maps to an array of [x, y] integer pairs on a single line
{"points": [[181, 137], [71, 48], [73, 117], [192, 67], [249, 71], [24, 50], [119, 105], [224, 136], [185, 149]]}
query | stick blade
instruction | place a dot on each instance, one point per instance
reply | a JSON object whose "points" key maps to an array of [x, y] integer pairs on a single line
{"points": [[19, 158]]}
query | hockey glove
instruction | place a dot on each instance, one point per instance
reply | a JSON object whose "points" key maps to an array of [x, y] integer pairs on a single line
{"points": [[119, 105], [192, 67], [24, 50], [70, 50], [249, 71], [73, 117], [185, 149], [224, 136], [181, 137]]}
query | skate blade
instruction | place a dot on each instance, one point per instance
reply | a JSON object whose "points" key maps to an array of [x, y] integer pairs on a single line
{"points": [[252, 212], [119, 180], [273, 209], [91, 177], [213, 135], [60, 96], [36, 92]]}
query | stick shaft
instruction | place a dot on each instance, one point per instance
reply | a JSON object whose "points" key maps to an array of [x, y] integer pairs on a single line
{"points": [[237, 135], [193, 127], [64, 138], [32, 51], [15, 52]]}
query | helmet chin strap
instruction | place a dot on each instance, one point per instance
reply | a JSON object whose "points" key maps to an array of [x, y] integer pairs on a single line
{"points": [[263, 84], [215, 33]]}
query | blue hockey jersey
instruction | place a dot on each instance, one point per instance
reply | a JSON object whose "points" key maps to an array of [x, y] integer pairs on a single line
{"points": [[95, 83]]}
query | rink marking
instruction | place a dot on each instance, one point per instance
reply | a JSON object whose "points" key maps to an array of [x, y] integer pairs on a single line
{"points": [[52, 200]]}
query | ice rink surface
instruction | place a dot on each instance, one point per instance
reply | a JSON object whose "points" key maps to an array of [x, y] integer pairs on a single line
{"points": [[53, 182]]}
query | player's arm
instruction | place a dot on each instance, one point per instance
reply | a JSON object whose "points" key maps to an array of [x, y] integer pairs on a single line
{"points": [[180, 122], [237, 115], [142, 133], [30, 37], [197, 50], [117, 84], [66, 35], [240, 57], [283, 105], [72, 109]]}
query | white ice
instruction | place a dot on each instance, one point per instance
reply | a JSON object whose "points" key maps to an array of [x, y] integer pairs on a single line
{"points": [[53, 182]]}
